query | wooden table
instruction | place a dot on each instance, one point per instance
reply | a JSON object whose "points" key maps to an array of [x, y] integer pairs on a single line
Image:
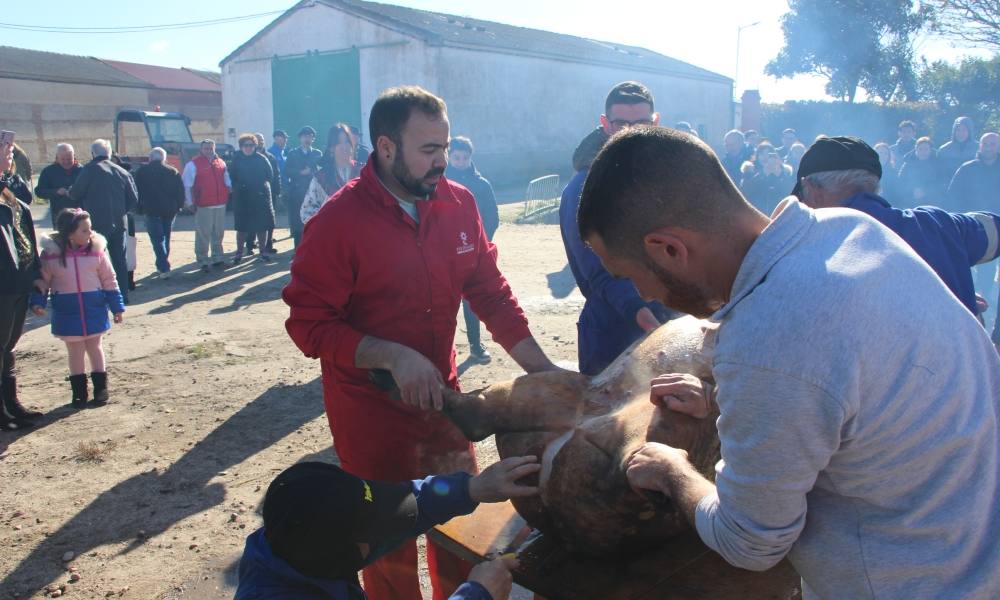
{"points": [[683, 568]]}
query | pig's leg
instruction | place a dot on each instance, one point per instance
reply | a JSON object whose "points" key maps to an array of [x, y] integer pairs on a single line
{"points": [[549, 401]]}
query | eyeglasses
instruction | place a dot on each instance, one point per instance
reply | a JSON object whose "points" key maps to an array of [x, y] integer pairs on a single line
{"points": [[620, 123], [248, 145]]}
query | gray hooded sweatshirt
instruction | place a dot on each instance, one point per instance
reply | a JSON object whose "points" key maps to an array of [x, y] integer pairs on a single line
{"points": [[859, 403]]}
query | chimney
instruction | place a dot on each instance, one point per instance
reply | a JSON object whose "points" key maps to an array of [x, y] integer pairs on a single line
{"points": [[750, 118]]}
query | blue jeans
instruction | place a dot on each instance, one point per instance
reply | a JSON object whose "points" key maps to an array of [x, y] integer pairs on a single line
{"points": [[159, 235], [116, 250], [471, 325]]}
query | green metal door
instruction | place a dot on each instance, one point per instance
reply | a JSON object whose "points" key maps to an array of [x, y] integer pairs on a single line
{"points": [[317, 90]]}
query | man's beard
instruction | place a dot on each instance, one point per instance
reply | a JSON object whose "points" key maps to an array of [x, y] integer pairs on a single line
{"points": [[684, 295], [414, 185]]}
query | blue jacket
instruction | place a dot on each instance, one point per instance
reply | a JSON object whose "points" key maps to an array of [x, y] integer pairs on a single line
{"points": [[607, 324], [279, 157], [264, 576], [951, 243], [482, 190]]}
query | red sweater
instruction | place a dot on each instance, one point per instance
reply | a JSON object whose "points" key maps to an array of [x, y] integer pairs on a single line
{"points": [[366, 268]]}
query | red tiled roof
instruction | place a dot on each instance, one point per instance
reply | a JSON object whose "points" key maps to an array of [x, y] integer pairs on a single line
{"points": [[166, 77]]}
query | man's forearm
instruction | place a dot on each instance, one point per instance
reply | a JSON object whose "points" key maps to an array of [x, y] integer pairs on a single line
{"points": [[375, 353], [686, 487], [529, 355]]}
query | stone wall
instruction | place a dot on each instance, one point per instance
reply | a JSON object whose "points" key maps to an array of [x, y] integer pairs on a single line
{"points": [[45, 114]]}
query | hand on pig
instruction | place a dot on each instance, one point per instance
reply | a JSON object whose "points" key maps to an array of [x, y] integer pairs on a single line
{"points": [[652, 465], [682, 393], [498, 482]]}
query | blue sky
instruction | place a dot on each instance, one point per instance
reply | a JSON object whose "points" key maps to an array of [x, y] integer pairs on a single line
{"points": [[701, 32]]}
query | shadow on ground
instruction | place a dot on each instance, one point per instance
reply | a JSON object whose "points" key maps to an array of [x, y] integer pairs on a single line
{"points": [[561, 283], [154, 501], [170, 294]]}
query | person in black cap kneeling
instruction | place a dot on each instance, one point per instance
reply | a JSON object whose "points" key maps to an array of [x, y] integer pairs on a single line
{"points": [[322, 525], [845, 172]]}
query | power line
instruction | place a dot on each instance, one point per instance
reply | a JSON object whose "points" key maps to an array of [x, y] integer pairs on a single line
{"points": [[134, 28]]}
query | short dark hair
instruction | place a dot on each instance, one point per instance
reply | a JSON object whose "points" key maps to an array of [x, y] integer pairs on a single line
{"points": [[393, 107], [628, 92], [280, 133], [460, 142], [646, 178]]}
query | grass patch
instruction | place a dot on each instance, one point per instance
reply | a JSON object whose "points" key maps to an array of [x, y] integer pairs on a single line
{"points": [[203, 350], [94, 452]]}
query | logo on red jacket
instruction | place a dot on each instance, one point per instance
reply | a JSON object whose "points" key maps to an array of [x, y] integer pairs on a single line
{"points": [[465, 247]]}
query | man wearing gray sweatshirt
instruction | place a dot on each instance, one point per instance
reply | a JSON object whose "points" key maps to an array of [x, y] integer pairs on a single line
{"points": [[858, 398]]}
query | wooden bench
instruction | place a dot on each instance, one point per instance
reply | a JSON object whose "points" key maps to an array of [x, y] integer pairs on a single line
{"points": [[682, 568]]}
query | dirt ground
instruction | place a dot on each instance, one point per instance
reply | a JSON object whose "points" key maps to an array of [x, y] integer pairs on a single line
{"points": [[153, 495]]}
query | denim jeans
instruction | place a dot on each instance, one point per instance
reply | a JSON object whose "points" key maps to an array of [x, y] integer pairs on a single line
{"points": [[159, 229], [471, 325], [116, 250]]}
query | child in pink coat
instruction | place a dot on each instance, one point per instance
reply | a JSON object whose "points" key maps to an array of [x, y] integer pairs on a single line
{"points": [[82, 286]]}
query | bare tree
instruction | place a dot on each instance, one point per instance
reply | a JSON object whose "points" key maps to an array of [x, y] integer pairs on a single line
{"points": [[971, 21]]}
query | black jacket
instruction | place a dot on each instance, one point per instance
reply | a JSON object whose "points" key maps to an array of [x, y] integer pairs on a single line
{"points": [[253, 209], [482, 190], [275, 173], [17, 186], [295, 162], [975, 186], [766, 191], [14, 277], [587, 151], [107, 192], [922, 183], [50, 180], [161, 190]]}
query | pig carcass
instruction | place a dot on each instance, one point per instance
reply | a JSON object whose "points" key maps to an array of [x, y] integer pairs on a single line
{"points": [[584, 429]]}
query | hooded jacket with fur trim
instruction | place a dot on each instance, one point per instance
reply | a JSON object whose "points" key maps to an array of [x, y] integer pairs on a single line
{"points": [[82, 290]]}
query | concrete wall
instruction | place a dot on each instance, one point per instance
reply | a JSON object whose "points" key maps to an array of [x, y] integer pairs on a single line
{"points": [[45, 114], [525, 114], [246, 79]]}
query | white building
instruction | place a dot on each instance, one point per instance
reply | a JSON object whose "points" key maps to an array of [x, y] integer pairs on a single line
{"points": [[525, 97]]}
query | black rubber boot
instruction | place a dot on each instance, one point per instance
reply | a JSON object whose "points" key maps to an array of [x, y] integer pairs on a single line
{"points": [[79, 383], [100, 381], [9, 423], [8, 387]]}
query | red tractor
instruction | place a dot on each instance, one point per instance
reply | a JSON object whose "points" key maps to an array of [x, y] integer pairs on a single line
{"points": [[139, 131]]}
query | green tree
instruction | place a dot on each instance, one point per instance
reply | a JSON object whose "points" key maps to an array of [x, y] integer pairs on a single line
{"points": [[854, 44], [971, 87]]}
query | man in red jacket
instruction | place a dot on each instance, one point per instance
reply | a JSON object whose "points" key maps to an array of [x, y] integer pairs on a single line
{"points": [[376, 284]]}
